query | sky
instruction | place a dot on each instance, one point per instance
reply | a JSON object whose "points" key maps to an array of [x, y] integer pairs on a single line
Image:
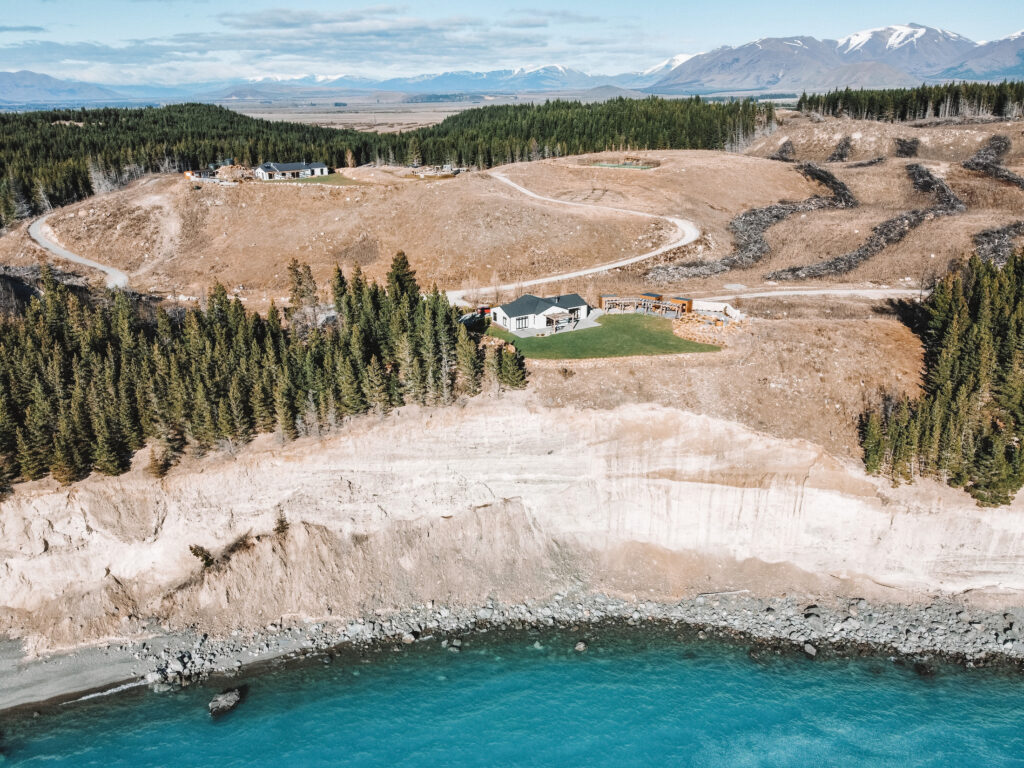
{"points": [[181, 41]]}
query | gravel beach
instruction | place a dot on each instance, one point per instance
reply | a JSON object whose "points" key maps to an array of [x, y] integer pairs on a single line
{"points": [[941, 630]]}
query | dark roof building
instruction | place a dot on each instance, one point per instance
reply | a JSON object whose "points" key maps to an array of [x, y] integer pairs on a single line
{"points": [[534, 313], [290, 170]]}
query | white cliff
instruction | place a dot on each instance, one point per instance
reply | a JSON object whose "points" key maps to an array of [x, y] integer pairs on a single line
{"points": [[499, 498]]}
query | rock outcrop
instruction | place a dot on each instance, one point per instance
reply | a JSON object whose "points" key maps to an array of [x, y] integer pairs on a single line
{"points": [[224, 702]]}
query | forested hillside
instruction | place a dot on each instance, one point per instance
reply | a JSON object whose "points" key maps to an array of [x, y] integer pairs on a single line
{"points": [[1004, 99], [54, 158], [83, 385], [968, 426]]}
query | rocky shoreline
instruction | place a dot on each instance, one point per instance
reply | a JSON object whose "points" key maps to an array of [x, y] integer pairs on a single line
{"points": [[941, 630]]}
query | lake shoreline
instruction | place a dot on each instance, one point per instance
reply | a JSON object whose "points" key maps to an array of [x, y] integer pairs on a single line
{"points": [[923, 634]]}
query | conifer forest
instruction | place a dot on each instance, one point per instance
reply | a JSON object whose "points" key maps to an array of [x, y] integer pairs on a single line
{"points": [[967, 426], [52, 158], [87, 382], [949, 100]]}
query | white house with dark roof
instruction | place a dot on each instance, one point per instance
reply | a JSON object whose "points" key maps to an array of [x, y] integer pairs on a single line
{"points": [[531, 315], [272, 171]]}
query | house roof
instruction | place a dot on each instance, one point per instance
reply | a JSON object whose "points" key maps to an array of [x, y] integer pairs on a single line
{"points": [[528, 304], [281, 167], [567, 300]]}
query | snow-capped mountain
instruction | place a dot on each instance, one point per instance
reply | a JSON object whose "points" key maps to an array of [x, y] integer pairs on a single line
{"points": [[994, 60], [667, 65], [779, 64], [912, 48], [898, 55], [538, 78], [895, 56]]}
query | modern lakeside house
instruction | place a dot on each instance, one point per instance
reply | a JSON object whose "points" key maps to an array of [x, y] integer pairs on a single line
{"points": [[531, 315], [271, 171]]}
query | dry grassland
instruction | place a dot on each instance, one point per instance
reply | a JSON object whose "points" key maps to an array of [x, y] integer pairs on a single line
{"points": [[803, 369]]}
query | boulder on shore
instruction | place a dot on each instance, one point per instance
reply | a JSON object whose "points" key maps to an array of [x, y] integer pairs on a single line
{"points": [[225, 702]]}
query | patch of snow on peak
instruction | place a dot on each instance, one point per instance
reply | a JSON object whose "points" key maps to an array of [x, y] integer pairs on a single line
{"points": [[857, 40], [669, 64], [544, 68], [898, 36], [1015, 35], [903, 35]]}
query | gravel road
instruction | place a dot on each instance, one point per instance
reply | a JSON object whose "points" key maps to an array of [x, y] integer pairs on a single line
{"points": [[38, 231], [686, 232]]}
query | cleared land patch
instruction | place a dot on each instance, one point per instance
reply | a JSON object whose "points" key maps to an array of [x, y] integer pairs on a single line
{"points": [[618, 336], [888, 232]]}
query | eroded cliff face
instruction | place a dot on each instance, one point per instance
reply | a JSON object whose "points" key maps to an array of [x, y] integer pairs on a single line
{"points": [[501, 498]]}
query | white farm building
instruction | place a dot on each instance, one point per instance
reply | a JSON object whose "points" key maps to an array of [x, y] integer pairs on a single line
{"points": [[271, 171], [531, 315]]}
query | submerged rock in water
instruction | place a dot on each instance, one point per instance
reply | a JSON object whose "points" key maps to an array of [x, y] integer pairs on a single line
{"points": [[580, 647], [225, 702]]}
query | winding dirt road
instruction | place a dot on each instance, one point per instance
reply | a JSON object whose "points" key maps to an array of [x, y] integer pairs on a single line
{"points": [[686, 232], [38, 231]]}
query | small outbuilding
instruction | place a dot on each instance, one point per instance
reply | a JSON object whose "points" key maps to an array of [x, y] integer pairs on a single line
{"points": [[531, 315]]}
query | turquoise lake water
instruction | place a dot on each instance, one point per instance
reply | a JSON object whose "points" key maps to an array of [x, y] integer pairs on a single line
{"points": [[638, 701]]}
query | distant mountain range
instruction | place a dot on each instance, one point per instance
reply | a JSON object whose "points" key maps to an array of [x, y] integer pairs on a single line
{"points": [[896, 56], [901, 55], [26, 87]]}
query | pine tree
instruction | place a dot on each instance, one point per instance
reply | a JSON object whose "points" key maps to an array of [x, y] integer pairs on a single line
{"points": [[8, 437], [66, 465], [350, 388], [377, 387], [468, 362], [241, 420], [872, 443], [338, 289], [110, 456], [262, 399], [416, 382], [401, 280], [35, 442], [284, 408], [512, 370]]}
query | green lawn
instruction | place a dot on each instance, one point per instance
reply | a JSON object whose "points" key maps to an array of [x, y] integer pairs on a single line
{"points": [[618, 336]]}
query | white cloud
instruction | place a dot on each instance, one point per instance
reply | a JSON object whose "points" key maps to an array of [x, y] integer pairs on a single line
{"points": [[376, 41]]}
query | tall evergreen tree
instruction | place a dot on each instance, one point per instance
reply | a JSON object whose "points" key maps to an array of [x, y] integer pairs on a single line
{"points": [[468, 362], [338, 288], [512, 368], [401, 280]]}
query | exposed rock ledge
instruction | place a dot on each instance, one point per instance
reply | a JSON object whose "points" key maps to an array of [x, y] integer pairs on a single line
{"points": [[497, 500]]}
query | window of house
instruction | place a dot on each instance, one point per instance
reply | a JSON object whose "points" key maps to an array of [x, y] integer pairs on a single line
{"points": [[522, 322]]}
